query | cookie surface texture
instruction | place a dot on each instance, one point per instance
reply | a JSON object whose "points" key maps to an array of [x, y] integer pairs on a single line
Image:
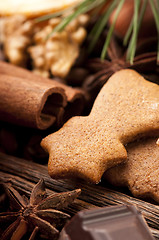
{"points": [[126, 108], [141, 170]]}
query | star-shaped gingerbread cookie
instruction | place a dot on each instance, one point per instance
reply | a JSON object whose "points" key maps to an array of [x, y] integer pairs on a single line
{"points": [[141, 170], [126, 108]]}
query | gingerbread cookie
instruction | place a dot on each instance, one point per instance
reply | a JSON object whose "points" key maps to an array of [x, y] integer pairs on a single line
{"points": [[126, 108], [141, 170]]}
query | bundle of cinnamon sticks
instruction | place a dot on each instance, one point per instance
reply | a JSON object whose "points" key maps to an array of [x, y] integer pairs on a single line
{"points": [[33, 101]]}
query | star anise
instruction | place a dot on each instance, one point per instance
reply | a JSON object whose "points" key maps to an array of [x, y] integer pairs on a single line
{"points": [[144, 62], [40, 214]]}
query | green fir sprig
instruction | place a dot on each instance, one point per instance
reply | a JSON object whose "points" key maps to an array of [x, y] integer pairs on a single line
{"points": [[131, 36]]}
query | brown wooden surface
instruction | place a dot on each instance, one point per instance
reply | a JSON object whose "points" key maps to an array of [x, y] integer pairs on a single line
{"points": [[24, 174]]}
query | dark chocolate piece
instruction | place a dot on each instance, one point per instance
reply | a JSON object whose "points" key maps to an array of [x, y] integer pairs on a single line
{"points": [[120, 222]]}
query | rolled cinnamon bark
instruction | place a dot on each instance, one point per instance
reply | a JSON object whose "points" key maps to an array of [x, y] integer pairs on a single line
{"points": [[73, 99], [72, 93], [29, 103]]}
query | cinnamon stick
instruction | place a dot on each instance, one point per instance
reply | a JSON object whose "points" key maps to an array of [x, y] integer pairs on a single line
{"points": [[26, 102], [74, 101]]}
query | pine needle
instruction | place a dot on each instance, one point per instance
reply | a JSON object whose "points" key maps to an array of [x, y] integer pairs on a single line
{"points": [[82, 8], [129, 31], [56, 14], [155, 10], [132, 45], [96, 11], [110, 32], [100, 25], [157, 5]]}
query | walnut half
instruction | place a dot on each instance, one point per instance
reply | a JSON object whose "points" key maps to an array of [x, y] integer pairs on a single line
{"points": [[23, 39], [59, 52], [17, 36]]}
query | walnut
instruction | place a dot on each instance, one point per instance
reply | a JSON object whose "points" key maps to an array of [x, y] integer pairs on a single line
{"points": [[17, 37], [61, 53], [2, 21], [58, 53], [22, 38]]}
